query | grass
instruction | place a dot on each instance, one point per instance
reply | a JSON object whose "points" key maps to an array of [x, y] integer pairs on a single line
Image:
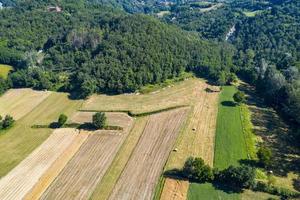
{"points": [[4, 70], [208, 192], [106, 185], [230, 146], [252, 13], [19, 141], [178, 94]]}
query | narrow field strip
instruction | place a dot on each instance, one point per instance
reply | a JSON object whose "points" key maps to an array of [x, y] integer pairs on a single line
{"points": [[139, 178], [21, 179], [106, 185], [19, 102], [230, 141], [49, 176], [83, 172], [175, 190]]}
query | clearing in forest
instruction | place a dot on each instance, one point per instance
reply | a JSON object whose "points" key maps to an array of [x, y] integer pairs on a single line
{"points": [[142, 172], [80, 176], [19, 102], [4, 70], [22, 178]]}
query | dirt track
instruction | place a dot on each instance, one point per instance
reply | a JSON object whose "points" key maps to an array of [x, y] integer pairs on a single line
{"points": [[142, 171], [20, 180], [81, 175]]}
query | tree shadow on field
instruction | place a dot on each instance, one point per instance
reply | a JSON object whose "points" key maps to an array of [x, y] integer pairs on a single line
{"points": [[228, 103], [226, 189]]}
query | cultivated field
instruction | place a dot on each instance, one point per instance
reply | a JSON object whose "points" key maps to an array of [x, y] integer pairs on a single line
{"points": [[139, 177], [80, 176], [21, 179], [106, 185], [19, 141], [4, 70], [181, 93], [19, 102], [175, 189]]}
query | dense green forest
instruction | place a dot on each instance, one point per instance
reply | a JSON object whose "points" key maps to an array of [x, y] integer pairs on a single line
{"points": [[89, 48]]}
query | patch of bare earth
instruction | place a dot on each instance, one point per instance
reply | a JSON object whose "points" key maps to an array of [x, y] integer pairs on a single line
{"points": [[16, 184], [19, 102], [80, 176], [140, 175], [175, 189]]}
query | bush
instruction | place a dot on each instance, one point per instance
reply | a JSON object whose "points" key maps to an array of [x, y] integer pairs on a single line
{"points": [[196, 170], [264, 155], [99, 120], [237, 177], [62, 120], [7, 122], [283, 192], [239, 97]]}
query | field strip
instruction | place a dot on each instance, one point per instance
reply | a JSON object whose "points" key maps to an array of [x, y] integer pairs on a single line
{"points": [[175, 189], [107, 183], [22, 178], [140, 175], [198, 136], [19, 102], [50, 175], [83, 172]]}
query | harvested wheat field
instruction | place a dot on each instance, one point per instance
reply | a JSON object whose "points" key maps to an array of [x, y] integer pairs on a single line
{"points": [[81, 175], [180, 94], [49, 176], [139, 177], [19, 102], [198, 137], [175, 190], [22, 178], [113, 118]]}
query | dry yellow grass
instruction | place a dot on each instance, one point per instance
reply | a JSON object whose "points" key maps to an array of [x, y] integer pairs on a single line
{"points": [[19, 102], [139, 177], [21, 179], [175, 190], [107, 183], [180, 94], [49, 176]]}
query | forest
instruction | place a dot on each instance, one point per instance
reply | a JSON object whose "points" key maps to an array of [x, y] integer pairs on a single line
{"points": [[112, 47]]}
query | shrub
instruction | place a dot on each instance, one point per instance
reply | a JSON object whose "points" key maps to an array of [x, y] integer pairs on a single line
{"points": [[7, 122], [264, 155], [99, 120], [237, 177], [239, 97], [62, 120], [196, 170]]}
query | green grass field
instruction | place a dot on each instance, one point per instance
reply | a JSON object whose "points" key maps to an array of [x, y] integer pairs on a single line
{"points": [[19, 141], [230, 145], [208, 192], [4, 70]]}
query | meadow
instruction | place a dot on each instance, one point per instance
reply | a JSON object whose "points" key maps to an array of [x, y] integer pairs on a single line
{"points": [[4, 70]]}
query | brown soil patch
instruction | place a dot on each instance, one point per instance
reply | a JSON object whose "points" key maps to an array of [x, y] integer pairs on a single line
{"points": [[175, 190], [139, 177], [80, 176], [19, 102], [22, 178]]}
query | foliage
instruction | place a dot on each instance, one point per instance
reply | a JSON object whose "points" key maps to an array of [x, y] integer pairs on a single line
{"points": [[62, 120], [239, 97], [99, 120], [7, 122], [196, 170], [237, 177], [264, 155], [283, 192]]}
